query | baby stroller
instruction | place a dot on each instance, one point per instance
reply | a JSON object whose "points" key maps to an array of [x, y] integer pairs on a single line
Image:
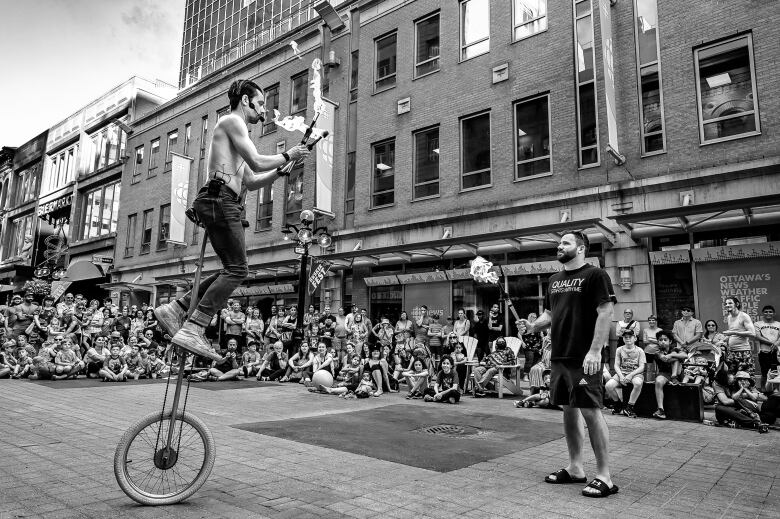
{"points": [[704, 359]]}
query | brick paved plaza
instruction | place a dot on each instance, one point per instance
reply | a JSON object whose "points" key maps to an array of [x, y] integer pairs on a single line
{"points": [[57, 445]]}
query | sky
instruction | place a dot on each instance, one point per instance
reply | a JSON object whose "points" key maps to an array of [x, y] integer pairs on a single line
{"points": [[59, 55]]}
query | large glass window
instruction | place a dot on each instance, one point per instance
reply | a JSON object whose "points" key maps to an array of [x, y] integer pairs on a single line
{"points": [[173, 138], [426, 163], [132, 221], [529, 18], [204, 135], [726, 88], [474, 28], [146, 231], [61, 169], [27, 184], [475, 150], [21, 229], [153, 158], [532, 134], [385, 62], [138, 161], [164, 227], [271, 104], [299, 93], [100, 211], [265, 207], [107, 147], [349, 186], [293, 201], [651, 110], [383, 179], [587, 119], [426, 45], [353, 79], [187, 139]]}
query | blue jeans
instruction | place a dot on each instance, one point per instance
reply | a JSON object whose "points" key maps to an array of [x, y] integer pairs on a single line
{"points": [[221, 215]]}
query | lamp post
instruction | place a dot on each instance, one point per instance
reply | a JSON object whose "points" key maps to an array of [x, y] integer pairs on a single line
{"points": [[303, 237]]}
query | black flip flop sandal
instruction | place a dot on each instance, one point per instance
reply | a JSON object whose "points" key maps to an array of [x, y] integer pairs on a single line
{"points": [[603, 489], [562, 477]]}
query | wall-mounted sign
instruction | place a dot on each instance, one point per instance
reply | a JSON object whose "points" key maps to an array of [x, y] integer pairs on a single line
{"points": [[500, 73], [404, 105], [97, 258], [54, 205]]}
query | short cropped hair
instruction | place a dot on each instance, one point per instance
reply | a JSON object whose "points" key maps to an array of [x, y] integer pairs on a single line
{"points": [[580, 238]]}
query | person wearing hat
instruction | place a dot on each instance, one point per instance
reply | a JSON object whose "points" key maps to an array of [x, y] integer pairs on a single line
{"points": [[629, 371], [737, 401], [490, 365], [628, 322], [687, 330]]}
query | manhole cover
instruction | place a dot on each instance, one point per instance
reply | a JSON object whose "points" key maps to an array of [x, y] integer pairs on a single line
{"points": [[453, 431]]}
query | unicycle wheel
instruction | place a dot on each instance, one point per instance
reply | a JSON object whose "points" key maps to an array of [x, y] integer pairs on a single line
{"points": [[153, 473]]}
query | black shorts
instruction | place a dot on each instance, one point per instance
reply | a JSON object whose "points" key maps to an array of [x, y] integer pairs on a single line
{"points": [[569, 385]]}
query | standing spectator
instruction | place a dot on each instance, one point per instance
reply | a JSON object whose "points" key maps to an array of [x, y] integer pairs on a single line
{"points": [[768, 341], [45, 312], [648, 334], [462, 325], [627, 322], [421, 325], [479, 330], [95, 325], [311, 316], [434, 339], [67, 304], [234, 325], [404, 323], [340, 331], [325, 330], [366, 319], [273, 331], [122, 323], [490, 365], [351, 316], [447, 327], [495, 323], [108, 322], [23, 314], [150, 321], [629, 371], [687, 330], [714, 337], [358, 332], [532, 350], [137, 323], [739, 333], [288, 327], [253, 326]]}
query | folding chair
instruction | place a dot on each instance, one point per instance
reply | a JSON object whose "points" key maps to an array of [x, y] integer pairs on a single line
{"points": [[514, 344], [470, 345]]}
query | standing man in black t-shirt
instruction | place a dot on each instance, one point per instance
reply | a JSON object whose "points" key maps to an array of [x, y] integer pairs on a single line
{"points": [[578, 309]]}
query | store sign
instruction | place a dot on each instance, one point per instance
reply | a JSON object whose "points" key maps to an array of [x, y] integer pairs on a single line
{"points": [[539, 267], [670, 257], [58, 288], [422, 277], [755, 282], [54, 205], [260, 290], [737, 252], [380, 281], [436, 296], [96, 258], [319, 269]]}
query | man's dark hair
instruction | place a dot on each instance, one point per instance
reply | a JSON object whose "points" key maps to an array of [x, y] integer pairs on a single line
{"points": [[768, 307], [580, 238], [241, 87], [664, 333]]}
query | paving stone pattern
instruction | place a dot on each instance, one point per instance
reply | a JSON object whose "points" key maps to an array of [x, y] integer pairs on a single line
{"points": [[56, 453]]}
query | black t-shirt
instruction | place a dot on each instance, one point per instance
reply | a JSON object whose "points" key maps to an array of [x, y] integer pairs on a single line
{"points": [[446, 382], [496, 322], [573, 298], [661, 366]]}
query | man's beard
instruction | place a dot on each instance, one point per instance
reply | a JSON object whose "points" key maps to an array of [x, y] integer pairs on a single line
{"points": [[565, 257]]}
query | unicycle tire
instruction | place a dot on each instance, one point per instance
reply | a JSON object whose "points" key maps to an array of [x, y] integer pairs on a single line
{"points": [[153, 480]]}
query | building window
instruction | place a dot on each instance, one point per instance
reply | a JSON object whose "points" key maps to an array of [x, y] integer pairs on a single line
{"points": [[204, 134], [587, 120], [100, 210], [353, 80], [726, 90], [349, 185], [265, 208], [61, 170], [426, 45], [146, 232], [475, 150], [139, 160], [385, 51], [474, 28], [165, 294], [173, 138], [299, 93], [532, 134], [529, 18], [271, 104], [651, 107], [108, 147], [383, 179], [21, 228], [426, 163], [132, 221], [27, 184], [222, 112], [153, 158], [187, 139], [164, 227], [293, 201]]}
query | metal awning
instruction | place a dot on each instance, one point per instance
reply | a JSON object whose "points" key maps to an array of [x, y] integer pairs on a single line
{"points": [[702, 217], [129, 287]]}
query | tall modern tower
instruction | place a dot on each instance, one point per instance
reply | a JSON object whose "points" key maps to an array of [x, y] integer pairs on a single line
{"points": [[216, 32]]}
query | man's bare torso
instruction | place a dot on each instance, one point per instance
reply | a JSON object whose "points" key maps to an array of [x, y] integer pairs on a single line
{"points": [[224, 160]]}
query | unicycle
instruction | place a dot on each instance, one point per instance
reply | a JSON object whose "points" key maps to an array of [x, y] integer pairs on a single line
{"points": [[166, 456]]}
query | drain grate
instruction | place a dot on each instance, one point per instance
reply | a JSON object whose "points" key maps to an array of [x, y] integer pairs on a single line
{"points": [[453, 431]]}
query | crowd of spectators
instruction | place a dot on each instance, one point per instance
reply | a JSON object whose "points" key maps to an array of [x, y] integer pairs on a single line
{"points": [[425, 353]]}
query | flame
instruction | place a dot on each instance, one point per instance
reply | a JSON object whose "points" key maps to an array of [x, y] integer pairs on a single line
{"points": [[316, 86], [294, 45], [294, 124]]}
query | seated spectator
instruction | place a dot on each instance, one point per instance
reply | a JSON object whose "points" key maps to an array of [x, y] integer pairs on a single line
{"points": [[155, 367], [346, 356], [445, 388], [67, 363], [365, 387], [24, 365], [322, 360], [43, 363], [378, 368], [540, 399], [532, 350], [416, 379], [251, 359], [114, 367], [459, 361], [349, 379], [134, 362], [536, 373], [695, 369], [736, 401], [629, 370], [228, 367], [450, 341], [299, 369], [96, 356], [667, 362], [8, 363], [274, 364], [489, 365]]}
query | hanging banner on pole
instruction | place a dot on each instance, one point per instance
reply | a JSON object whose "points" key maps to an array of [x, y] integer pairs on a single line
{"points": [[609, 73], [180, 184], [323, 188], [319, 269]]}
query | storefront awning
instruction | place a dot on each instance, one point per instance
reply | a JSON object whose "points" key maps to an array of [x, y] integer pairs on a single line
{"points": [[83, 270], [258, 290]]}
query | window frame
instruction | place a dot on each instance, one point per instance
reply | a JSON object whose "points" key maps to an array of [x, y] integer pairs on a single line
{"points": [[437, 181], [373, 193], [580, 84], [354, 72], [349, 179], [639, 67], [516, 25], [462, 46], [305, 76], [270, 126], [393, 75], [132, 224], [549, 155], [136, 176], [153, 158], [462, 148], [261, 202], [417, 23], [168, 150], [187, 139], [148, 218], [748, 37], [162, 243], [88, 197]]}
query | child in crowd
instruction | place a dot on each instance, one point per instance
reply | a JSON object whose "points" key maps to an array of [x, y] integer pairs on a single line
{"points": [[667, 362], [695, 371], [274, 364], [416, 379], [155, 367], [540, 399], [250, 360], [349, 380], [346, 358], [445, 388], [43, 363], [95, 356], [629, 370], [134, 362], [366, 387], [459, 360], [67, 364], [24, 366], [8, 363], [114, 367]]}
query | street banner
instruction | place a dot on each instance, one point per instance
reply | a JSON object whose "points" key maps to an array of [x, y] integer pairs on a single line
{"points": [[58, 288], [609, 73], [323, 188], [180, 183], [319, 269]]}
